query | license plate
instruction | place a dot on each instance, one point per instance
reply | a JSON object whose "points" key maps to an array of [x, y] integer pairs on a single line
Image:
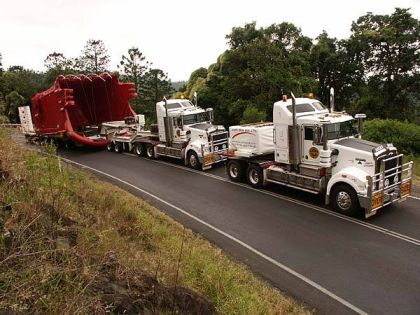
{"points": [[208, 159], [405, 189], [377, 201]]}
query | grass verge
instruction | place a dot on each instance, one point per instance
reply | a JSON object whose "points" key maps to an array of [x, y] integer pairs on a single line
{"points": [[72, 244]]}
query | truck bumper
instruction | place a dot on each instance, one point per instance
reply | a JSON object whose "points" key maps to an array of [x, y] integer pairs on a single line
{"points": [[384, 197], [209, 159]]}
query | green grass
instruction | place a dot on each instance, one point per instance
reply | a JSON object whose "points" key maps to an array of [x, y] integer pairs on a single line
{"points": [[60, 228]]}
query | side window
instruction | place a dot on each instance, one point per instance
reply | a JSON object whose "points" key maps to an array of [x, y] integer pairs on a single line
{"points": [[309, 133]]}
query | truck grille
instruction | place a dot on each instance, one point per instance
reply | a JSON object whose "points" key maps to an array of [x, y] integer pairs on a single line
{"points": [[219, 141]]}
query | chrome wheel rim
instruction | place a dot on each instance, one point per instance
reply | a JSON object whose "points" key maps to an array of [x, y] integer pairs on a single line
{"points": [[253, 176], [233, 171], [343, 200], [150, 151], [139, 150], [193, 160]]}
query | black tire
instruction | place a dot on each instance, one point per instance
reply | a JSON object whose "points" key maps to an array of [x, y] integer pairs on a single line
{"points": [[344, 200], [69, 145], [140, 149], [118, 147], [110, 146], [235, 170], [193, 160], [254, 176], [150, 151]]}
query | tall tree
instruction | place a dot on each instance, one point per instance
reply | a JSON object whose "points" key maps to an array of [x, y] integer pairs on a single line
{"points": [[57, 64], [134, 67], [156, 86], [391, 55], [1, 63], [94, 58]]}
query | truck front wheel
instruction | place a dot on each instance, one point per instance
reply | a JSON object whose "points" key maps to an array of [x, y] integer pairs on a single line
{"points": [[255, 176], [344, 200], [235, 170], [193, 160]]}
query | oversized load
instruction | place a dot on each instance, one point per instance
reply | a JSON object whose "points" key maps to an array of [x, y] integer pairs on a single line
{"points": [[251, 139], [75, 106]]}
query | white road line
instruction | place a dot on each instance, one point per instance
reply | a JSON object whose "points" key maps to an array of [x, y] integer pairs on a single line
{"points": [[397, 235], [238, 241], [414, 197]]}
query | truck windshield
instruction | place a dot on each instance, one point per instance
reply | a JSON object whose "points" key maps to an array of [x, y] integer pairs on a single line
{"points": [[341, 130], [195, 118]]}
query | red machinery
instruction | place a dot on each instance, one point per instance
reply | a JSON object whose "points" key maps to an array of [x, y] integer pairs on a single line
{"points": [[75, 106]]}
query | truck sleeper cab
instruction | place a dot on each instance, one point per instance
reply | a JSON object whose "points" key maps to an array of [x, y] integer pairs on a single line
{"points": [[320, 152], [183, 131]]}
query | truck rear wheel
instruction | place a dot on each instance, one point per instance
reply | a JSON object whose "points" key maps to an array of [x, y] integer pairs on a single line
{"points": [[235, 170], [344, 200], [150, 151], [139, 149], [255, 176], [110, 146], [118, 147], [193, 160]]}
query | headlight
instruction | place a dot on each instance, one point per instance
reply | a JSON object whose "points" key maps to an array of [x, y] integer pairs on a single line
{"points": [[206, 149], [216, 148]]}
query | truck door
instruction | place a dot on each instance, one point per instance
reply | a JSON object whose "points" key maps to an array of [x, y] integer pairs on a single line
{"points": [[309, 149]]}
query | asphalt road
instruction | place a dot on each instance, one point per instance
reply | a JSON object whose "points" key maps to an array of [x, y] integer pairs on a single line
{"points": [[334, 264]]}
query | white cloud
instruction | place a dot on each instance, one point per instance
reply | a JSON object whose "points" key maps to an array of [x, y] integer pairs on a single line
{"points": [[177, 36]]}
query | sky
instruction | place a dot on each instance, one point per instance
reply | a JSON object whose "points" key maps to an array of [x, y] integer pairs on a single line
{"points": [[176, 36]]}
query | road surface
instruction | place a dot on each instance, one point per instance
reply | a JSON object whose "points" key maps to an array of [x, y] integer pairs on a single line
{"points": [[334, 264]]}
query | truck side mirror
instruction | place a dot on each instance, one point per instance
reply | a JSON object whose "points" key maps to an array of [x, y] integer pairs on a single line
{"points": [[210, 114], [360, 118]]}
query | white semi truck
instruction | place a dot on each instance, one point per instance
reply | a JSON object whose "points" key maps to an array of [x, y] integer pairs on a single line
{"points": [[319, 151], [183, 131]]}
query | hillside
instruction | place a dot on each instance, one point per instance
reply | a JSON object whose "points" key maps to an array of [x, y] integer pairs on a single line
{"points": [[71, 244]]}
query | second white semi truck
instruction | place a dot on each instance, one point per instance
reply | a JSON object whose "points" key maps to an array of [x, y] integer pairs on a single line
{"points": [[183, 131], [312, 149]]}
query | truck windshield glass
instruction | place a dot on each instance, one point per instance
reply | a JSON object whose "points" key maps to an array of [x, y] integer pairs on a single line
{"points": [[318, 105], [195, 118], [341, 130], [301, 108], [187, 104]]}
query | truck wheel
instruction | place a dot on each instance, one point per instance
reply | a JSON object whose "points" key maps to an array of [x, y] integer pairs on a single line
{"points": [[255, 176], [150, 151], [344, 200], [235, 170], [193, 160], [139, 149], [118, 147], [110, 146]]}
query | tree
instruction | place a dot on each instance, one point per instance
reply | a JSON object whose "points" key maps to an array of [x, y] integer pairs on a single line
{"points": [[390, 46], [156, 86], [94, 58], [134, 67], [57, 64], [13, 101], [1, 64]]}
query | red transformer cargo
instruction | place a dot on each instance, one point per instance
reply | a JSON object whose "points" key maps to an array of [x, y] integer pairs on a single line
{"points": [[75, 106]]}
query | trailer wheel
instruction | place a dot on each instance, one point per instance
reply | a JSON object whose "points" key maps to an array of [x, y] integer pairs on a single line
{"points": [[118, 147], [193, 160], [235, 170], [255, 176], [110, 146], [150, 151], [139, 149], [344, 200]]}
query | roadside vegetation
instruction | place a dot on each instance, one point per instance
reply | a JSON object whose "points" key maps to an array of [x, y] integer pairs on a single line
{"points": [[72, 244]]}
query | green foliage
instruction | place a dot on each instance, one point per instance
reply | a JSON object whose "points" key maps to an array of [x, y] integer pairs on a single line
{"points": [[57, 64], [94, 58], [13, 101], [405, 136], [4, 119]]}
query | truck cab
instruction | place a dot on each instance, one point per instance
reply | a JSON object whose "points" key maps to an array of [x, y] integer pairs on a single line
{"points": [[184, 125], [322, 152]]}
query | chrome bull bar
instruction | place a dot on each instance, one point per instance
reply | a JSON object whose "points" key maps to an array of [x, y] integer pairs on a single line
{"points": [[379, 190]]}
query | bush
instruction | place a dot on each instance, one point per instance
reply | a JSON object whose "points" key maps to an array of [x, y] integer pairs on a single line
{"points": [[405, 136]]}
